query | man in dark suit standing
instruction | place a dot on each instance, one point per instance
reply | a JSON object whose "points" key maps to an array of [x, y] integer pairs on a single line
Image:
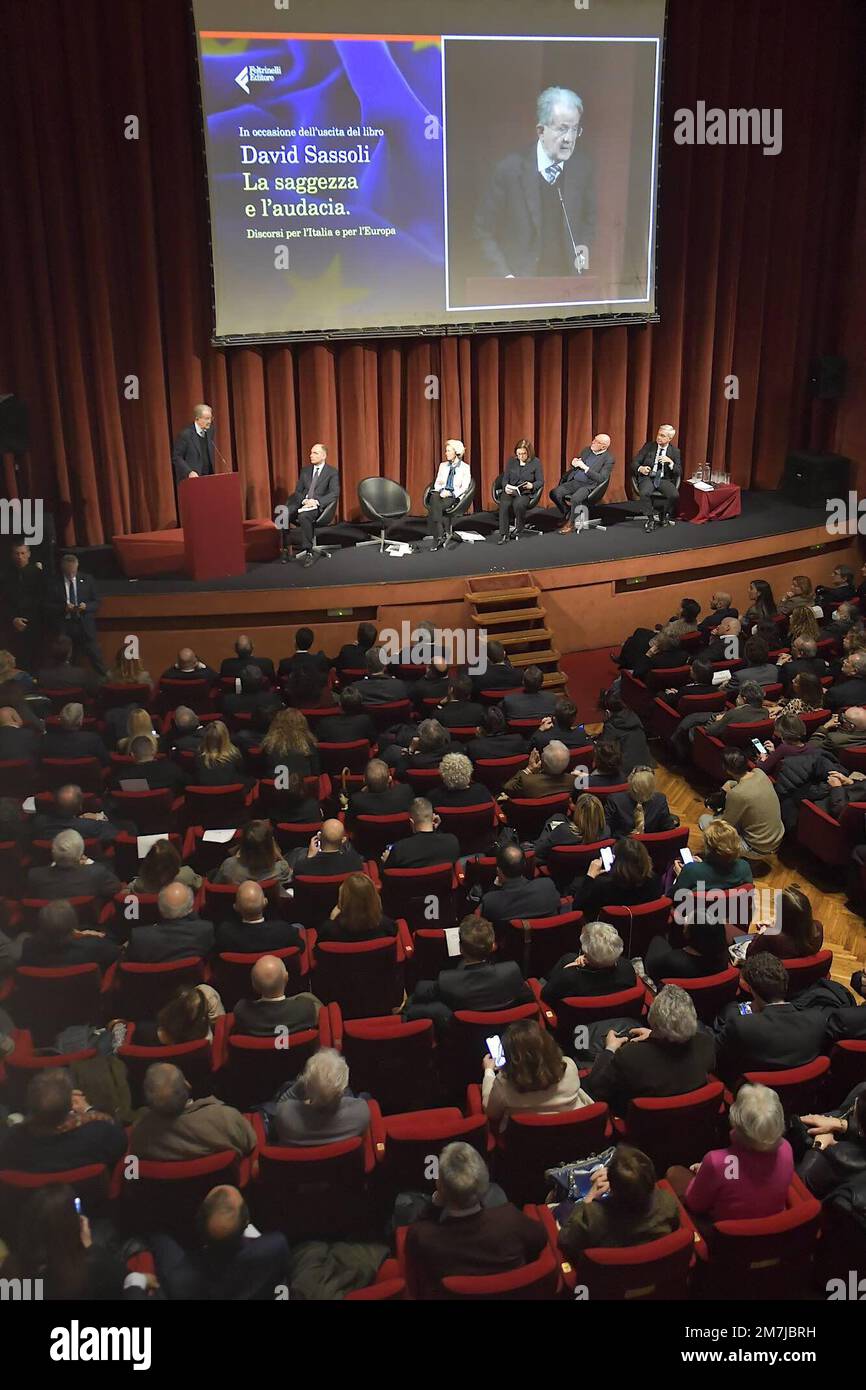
{"points": [[72, 606], [537, 213], [658, 468], [22, 596], [193, 451], [592, 467], [318, 484]]}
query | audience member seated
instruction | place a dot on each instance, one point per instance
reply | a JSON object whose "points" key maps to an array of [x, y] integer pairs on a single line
{"points": [[58, 943], [800, 934], [329, 852], [749, 1177], [758, 667], [665, 652], [630, 881], [583, 824], [775, 1034], [635, 1211], [305, 689], [668, 1058], [61, 1129], [701, 683], [67, 813], [800, 595], [379, 687], [19, 743], [232, 1261], [70, 740], [457, 787], [458, 1235], [607, 769], [514, 896], [249, 931], [127, 670], [257, 856], [624, 726], [421, 747], [218, 763], [762, 605], [137, 723], [725, 644], [807, 695], [459, 710], [433, 685], [244, 656], [851, 690], [353, 655], [379, 796], [720, 866], [272, 1010], [303, 658], [846, 729], [493, 739], [318, 1108], [12, 675], [55, 1246], [358, 915], [747, 709], [62, 674], [840, 589], [353, 723], [642, 810], [187, 667], [185, 734], [801, 771], [838, 1155], [546, 773], [297, 807], [704, 952], [174, 1126], [533, 702], [71, 874], [427, 845], [720, 608], [161, 866], [804, 659], [255, 694], [159, 774], [535, 1080], [17, 829], [176, 935], [186, 1017], [751, 806], [476, 982], [290, 743], [560, 726], [599, 968], [841, 621]]}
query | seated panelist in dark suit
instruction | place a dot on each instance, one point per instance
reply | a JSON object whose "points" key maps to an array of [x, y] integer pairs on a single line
{"points": [[71, 606], [536, 216], [476, 983], [176, 935], [318, 484], [521, 477], [658, 468], [453, 480], [592, 467], [193, 451]]}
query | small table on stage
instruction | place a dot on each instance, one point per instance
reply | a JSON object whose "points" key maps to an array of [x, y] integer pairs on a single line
{"points": [[698, 506]]}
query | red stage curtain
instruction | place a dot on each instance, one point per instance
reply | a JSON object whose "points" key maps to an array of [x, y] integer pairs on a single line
{"points": [[104, 276]]}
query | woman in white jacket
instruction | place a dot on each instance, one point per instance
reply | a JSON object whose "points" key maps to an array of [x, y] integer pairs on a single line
{"points": [[452, 482]]}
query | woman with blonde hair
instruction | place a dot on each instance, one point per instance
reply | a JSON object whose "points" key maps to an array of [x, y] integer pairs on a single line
{"points": [[358, 915], [218, 763], [720, 866], [139, 724], [642, 810], [536, 1078], [585, 825], [290, 743], [127, 670], [453, 481], [803, 623], [801, 594]]}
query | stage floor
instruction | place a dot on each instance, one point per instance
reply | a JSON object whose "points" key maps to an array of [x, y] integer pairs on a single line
{"points": [[763, 514]]}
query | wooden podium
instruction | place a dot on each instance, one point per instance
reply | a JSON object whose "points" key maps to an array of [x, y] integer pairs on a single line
{"points": [[213, 536]]}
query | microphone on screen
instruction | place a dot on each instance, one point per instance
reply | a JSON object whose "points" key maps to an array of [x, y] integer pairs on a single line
{"points": [[579, 256]]}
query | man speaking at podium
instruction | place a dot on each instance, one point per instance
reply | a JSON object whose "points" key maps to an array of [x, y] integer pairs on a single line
{"points": [[537, 213], [192, 455]]}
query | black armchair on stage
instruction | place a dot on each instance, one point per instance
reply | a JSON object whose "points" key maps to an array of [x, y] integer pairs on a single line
{"points": [[384, 502], [592, 499], [659, 499], [325, 517], [455, 509]]}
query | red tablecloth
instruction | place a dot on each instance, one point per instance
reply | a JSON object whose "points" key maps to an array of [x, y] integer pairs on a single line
{"points": [[718, 505]]}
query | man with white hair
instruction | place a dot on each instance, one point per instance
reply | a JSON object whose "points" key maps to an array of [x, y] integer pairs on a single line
{"points": [[546, 773], [536, 216], [458, 1234], [319, 1108], [318, 485], [656, 474], [669, 1058], [71, 740], [192, 454], [592, 467], [177, 934], [71, 874]]}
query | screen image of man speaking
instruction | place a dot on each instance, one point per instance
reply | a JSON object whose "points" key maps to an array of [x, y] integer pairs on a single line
{"points": [[536, 215]]}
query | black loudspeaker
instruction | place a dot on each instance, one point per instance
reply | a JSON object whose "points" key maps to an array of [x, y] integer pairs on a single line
{"points": [[827, 378], [14, 429], [809, 479]]}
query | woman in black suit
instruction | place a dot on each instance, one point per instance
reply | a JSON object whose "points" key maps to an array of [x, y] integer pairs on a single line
{"points": [[641, 810], [523, 474], [629, 882]]}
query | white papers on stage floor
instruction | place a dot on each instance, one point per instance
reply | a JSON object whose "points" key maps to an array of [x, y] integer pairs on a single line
{"points": [[469, 535], [398, 548]]}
